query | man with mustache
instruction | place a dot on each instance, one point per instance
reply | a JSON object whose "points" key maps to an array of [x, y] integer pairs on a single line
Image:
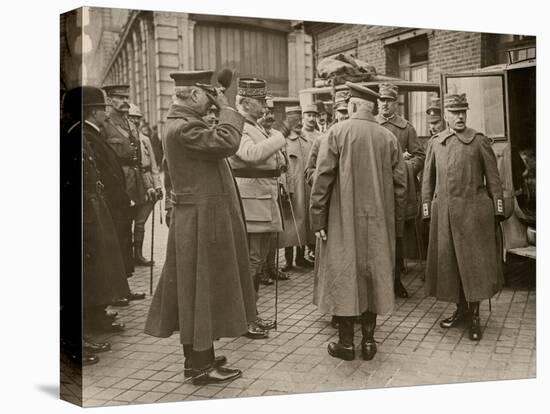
{"points": [[414, 155], [123, 138], [462, 196]]}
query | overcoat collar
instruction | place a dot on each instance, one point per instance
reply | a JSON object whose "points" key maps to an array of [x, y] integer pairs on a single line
{"points": [[362, 114], [180, 111], [465, 136], [248, 120], [396, 120]]}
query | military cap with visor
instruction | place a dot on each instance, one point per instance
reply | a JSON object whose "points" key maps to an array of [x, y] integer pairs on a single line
{"points": [[117, 90], [293, 110], [199, 78], [134, 111], [310, 108], [434, 110], [456, 102], [388, 91], [362, 92]]}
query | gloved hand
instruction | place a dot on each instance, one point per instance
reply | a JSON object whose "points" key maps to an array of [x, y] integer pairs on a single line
{"points": [[151, 194]]}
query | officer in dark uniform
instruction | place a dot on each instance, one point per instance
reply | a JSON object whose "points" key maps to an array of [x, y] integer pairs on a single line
{"points": [[123, 138], [414, 156]]}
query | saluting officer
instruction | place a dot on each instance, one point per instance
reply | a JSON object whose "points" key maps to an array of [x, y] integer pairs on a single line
{"points": [[414, 156], [462, 195], [256, 168]]}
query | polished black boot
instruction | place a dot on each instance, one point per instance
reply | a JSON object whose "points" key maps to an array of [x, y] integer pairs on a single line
{"points": [[459, 315], [475, 325], [188, 370], [289, 258], [368, 344], [398, 287], [334, 322], [344, 348], [139, 260]]}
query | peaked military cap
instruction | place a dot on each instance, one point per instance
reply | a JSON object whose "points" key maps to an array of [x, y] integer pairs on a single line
{"points": [[310, 108], [361, 92], [252, 88], [341, 104], [200, 78], [117, 90], [290, 110], [134, 111], [456, 102], [434, 110], [388, 91]]}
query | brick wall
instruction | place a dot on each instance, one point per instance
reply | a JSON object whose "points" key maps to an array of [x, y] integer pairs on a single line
{"points": [[448, 50]]}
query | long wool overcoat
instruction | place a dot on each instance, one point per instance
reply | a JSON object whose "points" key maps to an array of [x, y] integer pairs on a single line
{"points": [[205, 290], [358, 195], [462, 194], [408, 139], [297, 149]]}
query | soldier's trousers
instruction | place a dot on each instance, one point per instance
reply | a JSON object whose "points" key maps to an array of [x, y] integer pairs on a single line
{"points": [[141, 214], [258, 250]]}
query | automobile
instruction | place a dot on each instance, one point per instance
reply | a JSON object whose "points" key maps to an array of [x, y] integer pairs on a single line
{"points": [[502, 100]]}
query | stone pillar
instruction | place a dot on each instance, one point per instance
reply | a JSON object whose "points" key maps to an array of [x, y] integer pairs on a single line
{"points": [[300, 62]]}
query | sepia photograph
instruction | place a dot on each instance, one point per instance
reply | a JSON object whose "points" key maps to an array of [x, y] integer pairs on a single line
{"points": [[257, 206]]}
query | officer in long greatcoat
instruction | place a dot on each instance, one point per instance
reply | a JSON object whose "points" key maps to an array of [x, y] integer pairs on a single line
{"points": [[414, 155], [205, 290], [256, 168], [357, 210], [462, 195], [297, 230]]}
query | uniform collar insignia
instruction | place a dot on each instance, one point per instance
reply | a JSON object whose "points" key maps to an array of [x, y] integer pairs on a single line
{"points": [[465, 136]]}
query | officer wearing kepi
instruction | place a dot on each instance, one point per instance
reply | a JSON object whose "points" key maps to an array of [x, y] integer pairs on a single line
{"points": [[414, 155], [462, 196], [256, 168]]}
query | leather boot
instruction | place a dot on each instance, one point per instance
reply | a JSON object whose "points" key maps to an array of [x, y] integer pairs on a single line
{"points": [[398, 287], [475, 325], [289, 258], [368, 344], [139, 260], [188, 370], [459, 315], [301, 260], [344, 348]]}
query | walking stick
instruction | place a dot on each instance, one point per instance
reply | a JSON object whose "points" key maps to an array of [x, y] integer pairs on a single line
{"points": [[152, 247], [294, 221], [276, 277]]}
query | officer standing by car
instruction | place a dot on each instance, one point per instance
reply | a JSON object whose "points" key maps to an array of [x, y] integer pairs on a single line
{"points": [[462, 197]]}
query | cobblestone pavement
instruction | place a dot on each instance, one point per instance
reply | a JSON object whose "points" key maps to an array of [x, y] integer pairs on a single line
{"points": [[412, 348]]}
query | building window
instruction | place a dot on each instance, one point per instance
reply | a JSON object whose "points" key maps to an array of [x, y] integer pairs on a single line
{"points": [[413, 66]]}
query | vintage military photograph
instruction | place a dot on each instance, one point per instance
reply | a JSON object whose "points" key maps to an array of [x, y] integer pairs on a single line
{"points": [[288, 206]]}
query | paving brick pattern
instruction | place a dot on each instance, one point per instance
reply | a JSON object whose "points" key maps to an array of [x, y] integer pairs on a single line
{"points": [[412, 348]]}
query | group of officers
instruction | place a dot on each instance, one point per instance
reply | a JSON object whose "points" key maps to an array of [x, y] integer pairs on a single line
{"points": [[346, 197], [120, 185]]}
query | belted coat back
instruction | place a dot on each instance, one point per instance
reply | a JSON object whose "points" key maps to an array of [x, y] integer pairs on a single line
{"points": [[358, 196], [205, 290]]}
